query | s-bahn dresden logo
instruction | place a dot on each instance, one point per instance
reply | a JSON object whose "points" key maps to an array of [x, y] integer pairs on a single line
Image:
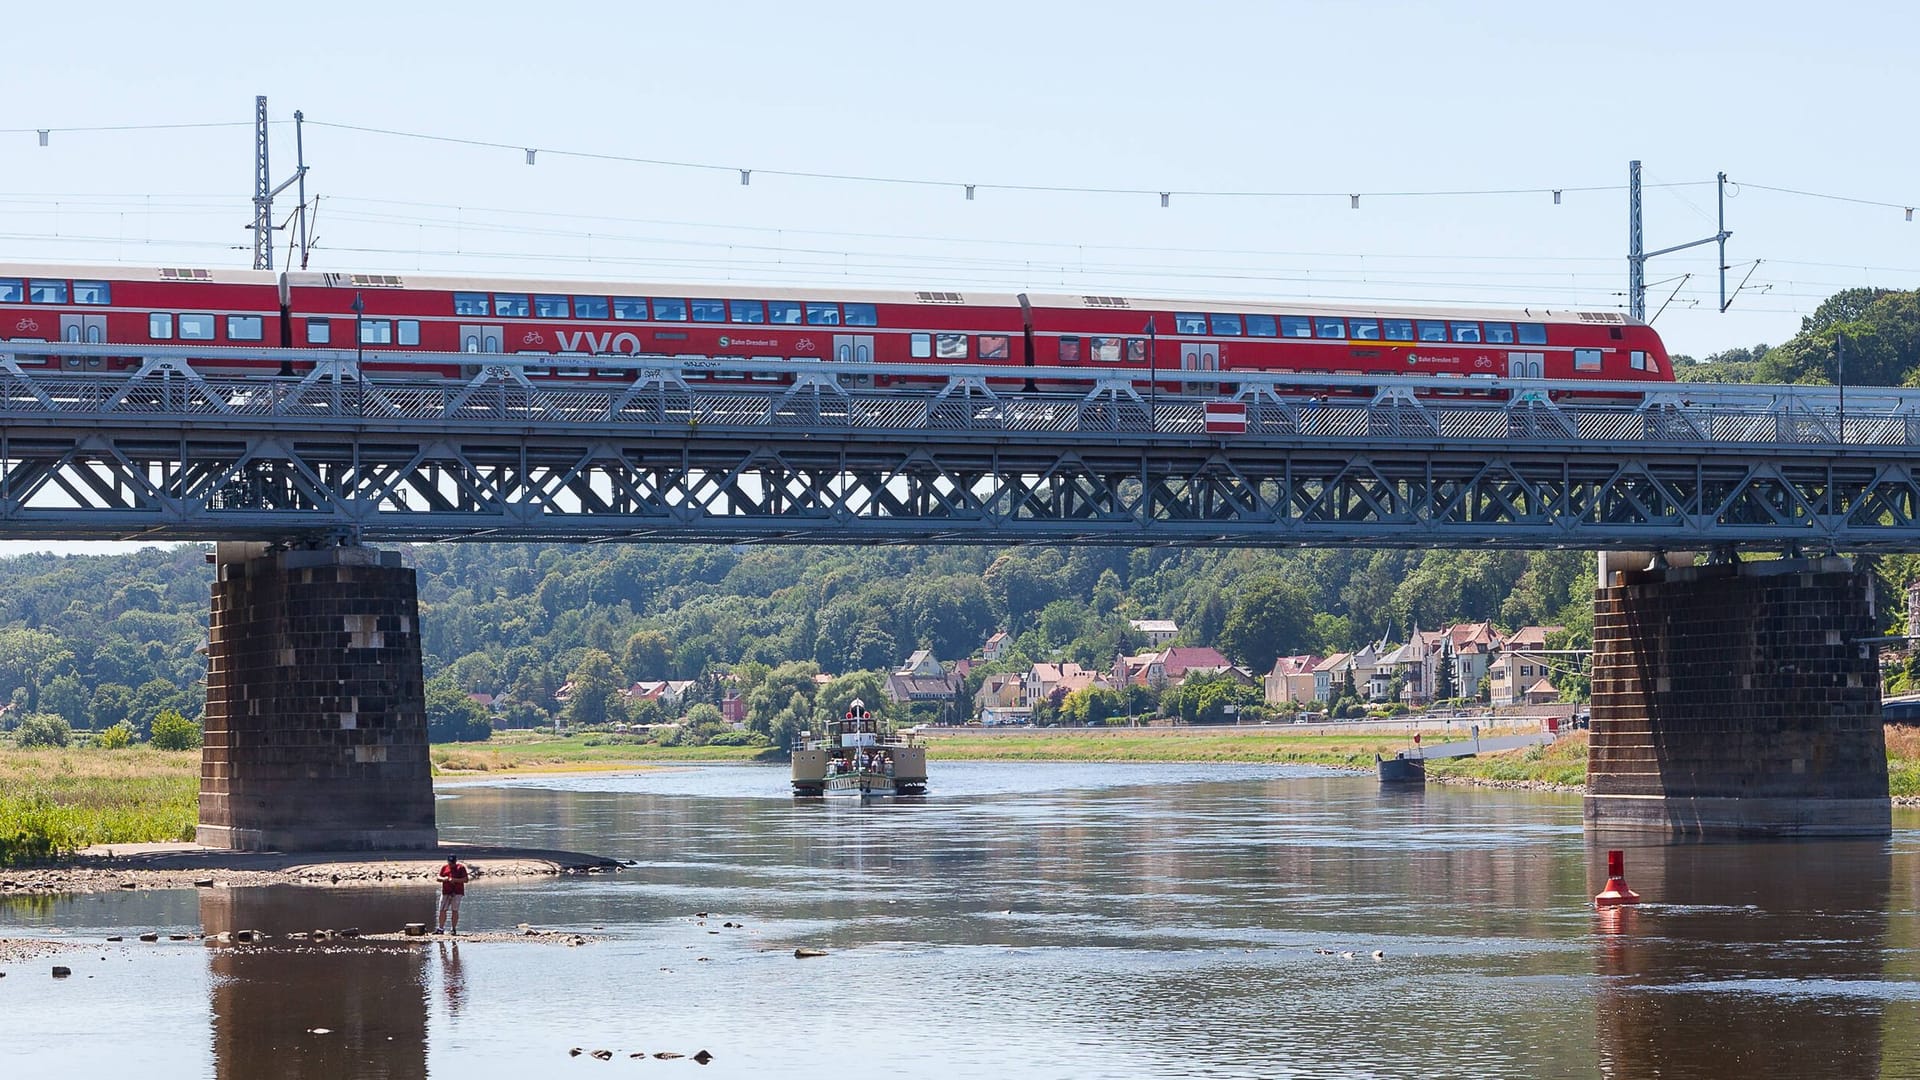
{"points": [[723, 343]]}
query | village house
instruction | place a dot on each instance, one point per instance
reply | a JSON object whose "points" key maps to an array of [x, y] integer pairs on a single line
{"points": [[1169, 667], [1290, 680], [668, 692], [1522, 666], [921, 678], [733, 708], [1330, 675], [996, 646], [1043, 679], [1157, 631]]}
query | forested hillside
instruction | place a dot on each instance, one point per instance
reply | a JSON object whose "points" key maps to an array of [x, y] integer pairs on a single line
{"points": [[97, 640]]}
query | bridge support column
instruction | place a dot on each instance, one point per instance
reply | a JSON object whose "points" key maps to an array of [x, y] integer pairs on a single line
{"points": [[1737, 699], [316, 734]]}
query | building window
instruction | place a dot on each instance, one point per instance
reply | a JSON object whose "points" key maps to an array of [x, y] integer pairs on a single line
{"points": [[196, 328], [550, 307], [409, 331], [47, 292], [469, 303], [319, 332], [160, 325], [92, 292], [243, 328]]}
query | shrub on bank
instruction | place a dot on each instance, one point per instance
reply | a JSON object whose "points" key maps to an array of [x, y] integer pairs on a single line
{"points": [[118, 737], [171, 731], [44, 729]]}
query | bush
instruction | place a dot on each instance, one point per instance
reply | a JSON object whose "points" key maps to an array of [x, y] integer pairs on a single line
{"points": [[118, 737], [44, 729], [171, 731]]}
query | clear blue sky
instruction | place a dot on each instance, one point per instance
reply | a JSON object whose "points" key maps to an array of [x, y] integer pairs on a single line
{"points": [[1316, 97]]}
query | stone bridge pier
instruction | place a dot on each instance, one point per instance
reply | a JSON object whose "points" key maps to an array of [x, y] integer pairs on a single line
{"points": [[1736, 699], [316, 732]]}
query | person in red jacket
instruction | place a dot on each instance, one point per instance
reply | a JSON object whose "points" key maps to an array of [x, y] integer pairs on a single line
{"points": [[453, 885]]}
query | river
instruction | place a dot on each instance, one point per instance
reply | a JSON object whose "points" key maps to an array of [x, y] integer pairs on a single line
{"points": [[1023, 921]]}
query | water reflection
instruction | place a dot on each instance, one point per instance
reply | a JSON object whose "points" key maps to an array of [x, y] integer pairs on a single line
{"points": [[1745, 960], [270, 999]]}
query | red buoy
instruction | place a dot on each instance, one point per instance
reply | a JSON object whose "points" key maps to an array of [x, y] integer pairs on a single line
{"points": [[1616, 891]]}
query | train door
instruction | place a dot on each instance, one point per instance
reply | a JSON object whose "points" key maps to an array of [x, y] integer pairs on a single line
{"points": [[1199, 356], [854, 349], [481, 338], [1525, 365], [83, 330]]}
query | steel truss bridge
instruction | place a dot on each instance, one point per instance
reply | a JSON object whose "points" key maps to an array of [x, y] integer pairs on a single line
{"points": [[727, 450]]}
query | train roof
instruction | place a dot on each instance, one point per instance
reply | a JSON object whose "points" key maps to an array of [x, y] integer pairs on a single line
{"points": [[931, 297]]}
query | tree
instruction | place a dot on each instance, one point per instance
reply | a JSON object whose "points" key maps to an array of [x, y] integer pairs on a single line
{"points": [[172, 731], [648, 655], [597, 695], [28, 658], [1272, 618], [781, 706], [118, 737], [44, 729], [452, 716], [1444, 686]]}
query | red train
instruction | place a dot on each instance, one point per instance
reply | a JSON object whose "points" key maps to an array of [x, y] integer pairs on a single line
{"points": [[576, 321]]}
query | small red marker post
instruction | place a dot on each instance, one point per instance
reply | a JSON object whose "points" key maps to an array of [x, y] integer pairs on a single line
{"points": [[1616, 892]]}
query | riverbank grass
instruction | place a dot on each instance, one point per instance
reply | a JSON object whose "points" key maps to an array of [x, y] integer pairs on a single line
{"points": [[54, 802], [511, 752]]}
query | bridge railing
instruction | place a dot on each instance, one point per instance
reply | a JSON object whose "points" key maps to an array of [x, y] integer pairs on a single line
{"points": [[334, 386]]}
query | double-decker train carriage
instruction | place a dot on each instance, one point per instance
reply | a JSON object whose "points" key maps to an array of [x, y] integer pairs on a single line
{"points": [[245, 315]]}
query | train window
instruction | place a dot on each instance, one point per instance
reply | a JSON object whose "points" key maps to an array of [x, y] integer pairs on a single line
{"points": [[319, 332], [47, 292], [829, 315], [1532, 333], [92, 292], [196, 328], [1225, 325], [1137, 349], [1262, 326], [709, 311], [945, 346], [550, 307], [1296, 326], [1329, 328], [1432, 331], [862, 315], [470, 303], [1499, 333], [243, 328], [992, 346], [589, 307], [1069, 351], [1102, 350], [1189, 323], [670, 310], [920, 346], [12, 291], [747, 311], [1637, 360], [1396, 329], [630, 307], [380, 331], [1363, 329], [1652, 364], [784, 312], [1466, 333], [160, 325], [1586, 359], [510, 305], [409, 332]]}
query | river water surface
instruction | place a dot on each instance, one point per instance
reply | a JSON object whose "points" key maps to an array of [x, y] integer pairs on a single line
{"points": [[1023, 921]]}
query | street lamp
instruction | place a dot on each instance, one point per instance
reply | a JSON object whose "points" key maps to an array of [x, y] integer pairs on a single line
{"points": [[1153, 377], [359, 351]]}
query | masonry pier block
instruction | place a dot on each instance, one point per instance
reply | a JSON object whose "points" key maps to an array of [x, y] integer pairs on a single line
{"points": [[316, 733], [1739, 699]]}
